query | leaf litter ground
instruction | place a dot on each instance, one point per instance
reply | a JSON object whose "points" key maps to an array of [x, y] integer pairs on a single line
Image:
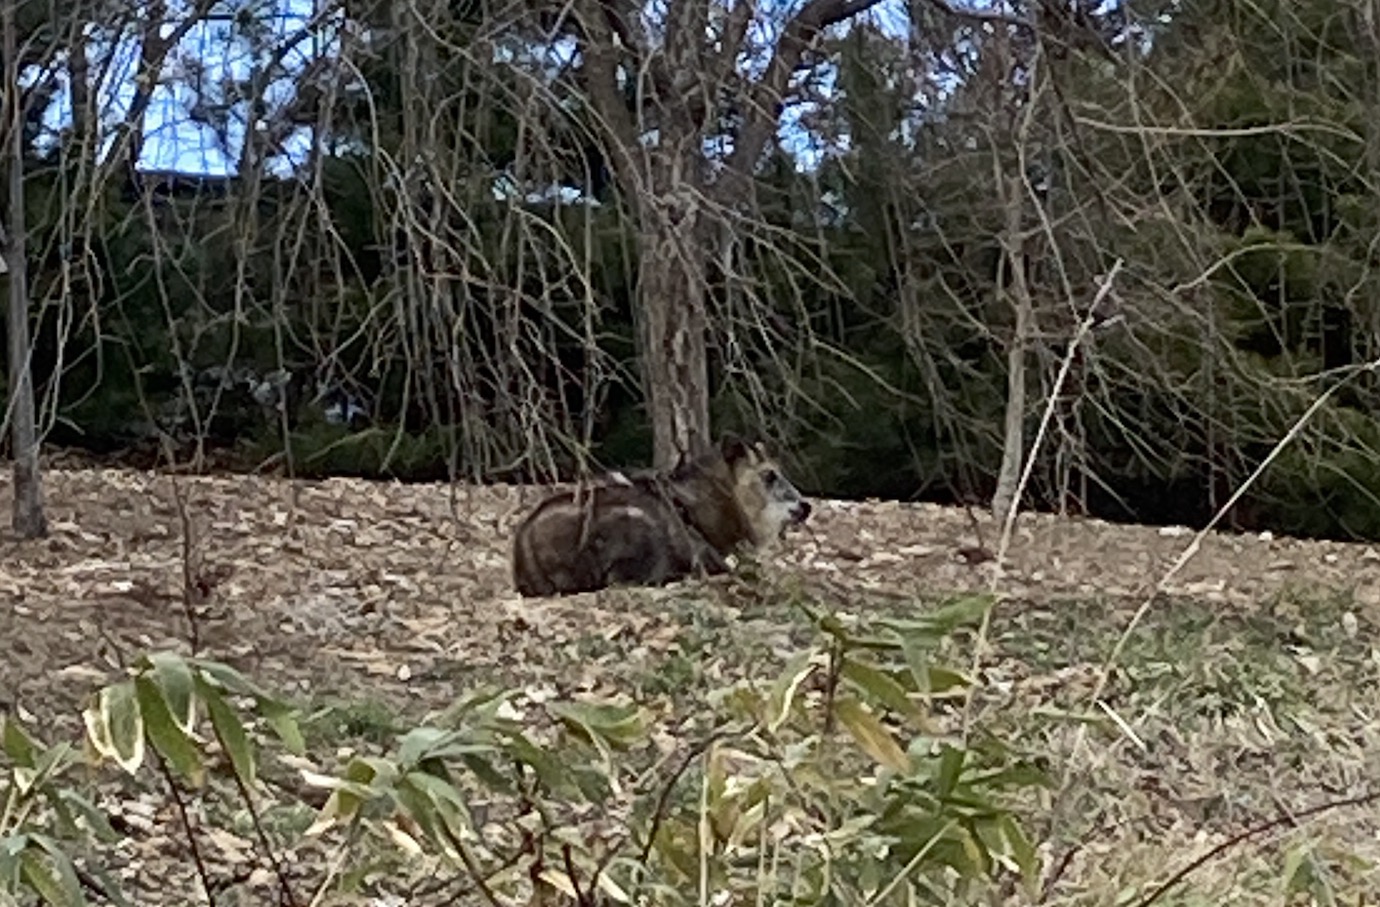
{"points": [[1248, 692]]}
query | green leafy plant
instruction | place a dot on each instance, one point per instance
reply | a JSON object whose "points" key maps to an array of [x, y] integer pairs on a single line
{"points": [[44, 820], [835, 780], [161, 706], [176, 706], [830, 782]]}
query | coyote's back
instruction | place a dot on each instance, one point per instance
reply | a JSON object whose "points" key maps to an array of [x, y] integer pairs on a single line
{"points": [[602, 536]]}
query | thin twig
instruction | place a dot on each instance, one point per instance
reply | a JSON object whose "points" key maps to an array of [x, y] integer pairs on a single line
{"points": [[284, 885], [186, 820], [659, 812], [1196, 543], [1280, 820]]}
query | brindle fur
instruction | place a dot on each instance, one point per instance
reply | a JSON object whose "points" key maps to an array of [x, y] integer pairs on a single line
{"points": [[652, 528]]}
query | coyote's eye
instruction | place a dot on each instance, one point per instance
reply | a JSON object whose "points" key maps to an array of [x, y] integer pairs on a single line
{"points": [[769, 477]]}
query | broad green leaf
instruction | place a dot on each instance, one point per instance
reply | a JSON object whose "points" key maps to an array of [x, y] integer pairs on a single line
{"points": [[230, 680], [283, 720], [437, 768], [871, 734], [165, 735], [935, 625], [63, 821], [438, 820], [52, 761], [951, 761], [930, 679], [423, 743], [989, 835], [452, 812], [230, 732], [918, 660], [173, 676], [45, 881], [19, 746], [115, 727], [550, 771], [483, 703], [1022, 852], [11, 847], [374, 771], [95, 818], [441, 792], [980, 861], [484, 770], [784, 690], [49, 872], [941, 838], [884, 688], [617, 725], [945, 680], [1299, 875], [677, 843], [418, 742]]}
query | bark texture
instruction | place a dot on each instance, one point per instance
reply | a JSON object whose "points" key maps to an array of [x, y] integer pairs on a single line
{"points": [[673, 324]]}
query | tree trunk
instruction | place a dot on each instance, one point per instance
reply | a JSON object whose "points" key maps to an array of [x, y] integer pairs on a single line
{"points": [[673, 326], [679, 84], [1369, 341], [1013, 447], [28, 518]]}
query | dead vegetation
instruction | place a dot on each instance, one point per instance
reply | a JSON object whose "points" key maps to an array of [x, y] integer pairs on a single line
{"points": [[1248, 693]]}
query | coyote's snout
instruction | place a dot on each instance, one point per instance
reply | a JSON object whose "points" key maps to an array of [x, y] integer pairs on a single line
{"points": [[655, 528]]}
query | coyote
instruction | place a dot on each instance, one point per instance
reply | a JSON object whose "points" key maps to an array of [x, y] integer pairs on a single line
{"points": [[654, 528]]}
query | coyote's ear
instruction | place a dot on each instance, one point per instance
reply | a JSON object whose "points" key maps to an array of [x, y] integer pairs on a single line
{"points": [[733, 448]]}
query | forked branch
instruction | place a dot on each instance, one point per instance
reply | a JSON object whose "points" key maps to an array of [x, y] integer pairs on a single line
{"points": [[767, 97]]}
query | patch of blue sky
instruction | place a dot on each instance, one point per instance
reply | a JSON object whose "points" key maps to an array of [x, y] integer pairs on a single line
{"points": [[195, 122], [200, 128]]}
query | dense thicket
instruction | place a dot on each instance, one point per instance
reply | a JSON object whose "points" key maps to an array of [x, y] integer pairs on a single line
{"points": [[429, 252]]}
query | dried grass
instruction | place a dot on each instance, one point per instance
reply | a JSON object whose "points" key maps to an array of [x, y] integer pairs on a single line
{"points": [[1250, 691]]}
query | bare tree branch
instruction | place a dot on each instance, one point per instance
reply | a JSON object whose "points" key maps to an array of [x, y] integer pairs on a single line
{"points": [[763, 109], [600, 51], [154, 48]]}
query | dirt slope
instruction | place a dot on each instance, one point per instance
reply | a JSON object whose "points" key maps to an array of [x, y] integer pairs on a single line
{"points": [[399, 595], [381, 578]]}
